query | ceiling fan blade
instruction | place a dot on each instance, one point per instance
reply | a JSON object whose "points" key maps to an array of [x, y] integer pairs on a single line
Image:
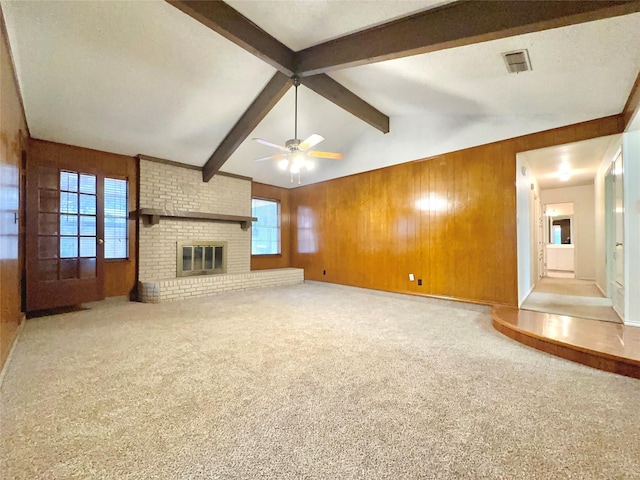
{"points": [[269, 144], [310, 141], [272, 157], [335, 156]]}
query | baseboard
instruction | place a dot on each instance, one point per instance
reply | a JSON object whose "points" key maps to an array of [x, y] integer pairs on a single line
{"points": [[473, 305], [13, 347]]}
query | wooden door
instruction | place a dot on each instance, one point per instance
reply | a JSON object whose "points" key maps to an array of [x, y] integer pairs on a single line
{"points": [[64, 247]]}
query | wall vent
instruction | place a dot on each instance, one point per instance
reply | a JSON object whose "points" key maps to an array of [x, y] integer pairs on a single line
{"points": [[517, 61]]}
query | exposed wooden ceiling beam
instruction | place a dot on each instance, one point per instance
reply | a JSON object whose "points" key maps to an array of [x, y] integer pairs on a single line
{"points": [[453, 25], [264, 102], [226, 21], [233, 26], [633, 103], [327, 87]]}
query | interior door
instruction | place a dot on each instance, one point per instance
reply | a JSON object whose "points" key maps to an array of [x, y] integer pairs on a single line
{"points": [[614, 197], [618, 172], [64, 247], [540, 240]]}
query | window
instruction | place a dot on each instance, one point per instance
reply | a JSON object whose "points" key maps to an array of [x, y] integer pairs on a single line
{"points": [[77, 216], [116, 214], [265, 233]]}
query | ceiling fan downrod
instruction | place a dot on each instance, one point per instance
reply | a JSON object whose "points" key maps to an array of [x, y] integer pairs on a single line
{"points": [[296, 84]]}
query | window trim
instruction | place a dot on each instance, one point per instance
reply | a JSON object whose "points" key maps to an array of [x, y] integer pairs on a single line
{"points": [[127, 258]]}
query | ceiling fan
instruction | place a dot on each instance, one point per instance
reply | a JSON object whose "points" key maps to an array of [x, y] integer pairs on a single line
{"points": [[297, 151]]}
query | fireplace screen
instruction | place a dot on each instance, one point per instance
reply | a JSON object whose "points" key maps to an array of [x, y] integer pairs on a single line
{"points": [[202, 258]]}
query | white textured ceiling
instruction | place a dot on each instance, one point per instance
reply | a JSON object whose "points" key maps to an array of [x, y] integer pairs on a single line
{"points": [[585, 67], [129, 77], [142, 77], [583, 160], [302, 24]]}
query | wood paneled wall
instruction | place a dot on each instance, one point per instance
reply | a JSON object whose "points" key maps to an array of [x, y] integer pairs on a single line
{"points": [[13, 132], [119, 275], [264, 262], [450, 220]]}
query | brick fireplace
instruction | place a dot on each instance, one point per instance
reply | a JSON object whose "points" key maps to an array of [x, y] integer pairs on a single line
{"points": [[177, 208]]}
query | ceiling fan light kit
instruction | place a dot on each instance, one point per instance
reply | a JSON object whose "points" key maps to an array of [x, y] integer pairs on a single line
{"points": [[297, 153]]}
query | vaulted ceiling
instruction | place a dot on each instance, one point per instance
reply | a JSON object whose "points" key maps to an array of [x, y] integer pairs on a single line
{"points": [[171, 80]]}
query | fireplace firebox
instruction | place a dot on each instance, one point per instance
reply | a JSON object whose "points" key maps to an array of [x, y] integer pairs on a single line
{"points": [[201, 258]]}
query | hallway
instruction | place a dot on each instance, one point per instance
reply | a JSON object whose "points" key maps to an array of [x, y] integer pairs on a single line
{"points": [[568, 296]]}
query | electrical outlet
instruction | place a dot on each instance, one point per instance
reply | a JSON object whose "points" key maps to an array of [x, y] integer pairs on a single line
{"points": [[411, 277], [419, 281]]}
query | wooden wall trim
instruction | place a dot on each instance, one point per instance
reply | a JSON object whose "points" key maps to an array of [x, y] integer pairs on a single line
{"points": [[14, 72], [633, 103], [234, 175], [163, 161]]}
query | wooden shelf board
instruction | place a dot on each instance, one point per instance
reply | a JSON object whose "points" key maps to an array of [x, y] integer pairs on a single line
{"points": [[155, 214]]}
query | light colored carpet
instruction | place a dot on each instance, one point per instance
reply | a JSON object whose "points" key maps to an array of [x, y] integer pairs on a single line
{"points": [[306, 381], [560, 274], [576, 298], [568, 286]]}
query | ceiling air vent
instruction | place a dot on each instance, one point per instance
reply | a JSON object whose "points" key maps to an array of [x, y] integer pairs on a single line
{"points": [[517, 61]]}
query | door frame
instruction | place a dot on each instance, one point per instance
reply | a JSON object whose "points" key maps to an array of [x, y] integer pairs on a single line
{"points": [[615, 291], [39, 296]]}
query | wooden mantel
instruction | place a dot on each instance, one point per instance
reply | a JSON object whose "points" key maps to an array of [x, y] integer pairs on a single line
{"points": [[154, 215]]}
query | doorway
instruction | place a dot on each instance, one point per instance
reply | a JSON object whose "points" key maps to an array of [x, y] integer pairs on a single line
{"points": [[567, 229], [614, 196], [559, 240]]}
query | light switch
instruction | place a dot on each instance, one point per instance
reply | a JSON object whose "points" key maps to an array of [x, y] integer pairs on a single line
{"points": [[411, 278]]}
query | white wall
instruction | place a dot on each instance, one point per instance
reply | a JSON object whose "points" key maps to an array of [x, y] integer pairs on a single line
{"points": [[631, 159], [600, 211], [526, 228], [583, 198]]}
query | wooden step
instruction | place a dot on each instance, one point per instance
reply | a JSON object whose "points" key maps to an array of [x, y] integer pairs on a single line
{"points": [[604, 345]]}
